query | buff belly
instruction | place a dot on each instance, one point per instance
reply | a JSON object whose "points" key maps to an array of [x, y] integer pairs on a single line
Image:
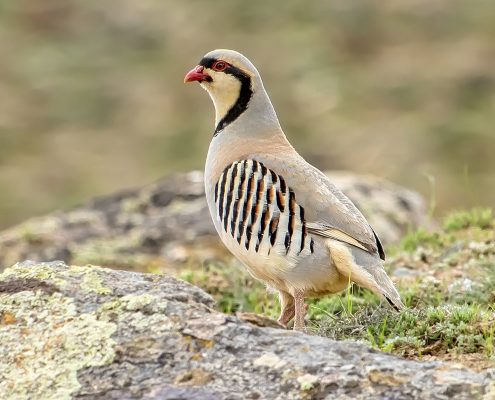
{"points": [[313, 273]]}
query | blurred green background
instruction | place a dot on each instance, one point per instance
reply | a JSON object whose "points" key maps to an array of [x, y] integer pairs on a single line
{"points": [[92, 99]]}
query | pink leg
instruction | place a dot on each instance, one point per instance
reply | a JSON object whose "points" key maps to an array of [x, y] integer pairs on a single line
{"points": [[287, 308], [300, 309]]}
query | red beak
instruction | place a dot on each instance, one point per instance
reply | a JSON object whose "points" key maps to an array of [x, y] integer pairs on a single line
{"points": [[197, 74]]}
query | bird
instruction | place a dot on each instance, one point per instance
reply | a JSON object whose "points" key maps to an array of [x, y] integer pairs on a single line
{"points": [[291, 227]]}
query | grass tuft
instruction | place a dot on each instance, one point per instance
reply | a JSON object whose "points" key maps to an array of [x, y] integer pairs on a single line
{"points": [[421, 237], [477, 217], [433, 330], [234, 289]]}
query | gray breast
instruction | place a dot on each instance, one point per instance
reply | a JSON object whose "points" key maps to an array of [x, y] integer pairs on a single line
{"points": [[258, 209]]}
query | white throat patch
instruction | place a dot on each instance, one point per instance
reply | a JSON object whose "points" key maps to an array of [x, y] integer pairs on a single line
{"points": [[224, 91]]}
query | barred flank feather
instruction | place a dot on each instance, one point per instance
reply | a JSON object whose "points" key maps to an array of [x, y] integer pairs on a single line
{"points": [[257, 209]]}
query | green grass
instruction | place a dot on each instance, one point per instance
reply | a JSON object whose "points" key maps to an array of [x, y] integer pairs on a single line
{"points": [[482, 218], [458, 221], [234, 289], [421, 237], [440, 329]]}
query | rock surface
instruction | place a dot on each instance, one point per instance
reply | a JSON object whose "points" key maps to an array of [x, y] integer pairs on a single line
{"points": [[93, 333], [167, 225]]}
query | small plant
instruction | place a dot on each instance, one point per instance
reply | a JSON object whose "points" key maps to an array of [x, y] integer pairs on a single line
{"points": [[418, 238], [477, 217], [377, 338]]}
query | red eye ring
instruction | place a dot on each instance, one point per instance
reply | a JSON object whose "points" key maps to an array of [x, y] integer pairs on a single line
{"points": [[219, 66]]}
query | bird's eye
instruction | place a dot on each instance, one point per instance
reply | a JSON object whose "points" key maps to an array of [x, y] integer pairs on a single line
{"points": [[219, 65]]}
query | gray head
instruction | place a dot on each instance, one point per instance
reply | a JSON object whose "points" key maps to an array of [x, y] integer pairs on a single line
{"points": [[233, 83]]}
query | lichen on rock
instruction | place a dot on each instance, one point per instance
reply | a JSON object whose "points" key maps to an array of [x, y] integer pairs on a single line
{"points": [[49, 342]]}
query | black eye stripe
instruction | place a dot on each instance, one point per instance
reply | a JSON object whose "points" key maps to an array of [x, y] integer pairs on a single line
{"points": [[208, 62]]}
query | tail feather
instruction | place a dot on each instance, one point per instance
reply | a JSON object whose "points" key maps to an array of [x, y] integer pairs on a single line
{"points": [[370, 274], [386, 287]]}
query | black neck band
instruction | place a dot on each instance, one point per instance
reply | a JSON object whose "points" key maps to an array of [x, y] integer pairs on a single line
{"points": [[245, 94]]}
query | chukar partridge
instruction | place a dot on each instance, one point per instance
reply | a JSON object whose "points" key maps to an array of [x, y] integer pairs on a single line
{"points": [[279, 215]]}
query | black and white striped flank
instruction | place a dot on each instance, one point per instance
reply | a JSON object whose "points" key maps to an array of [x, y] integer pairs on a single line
{"points": [[257, 208]]}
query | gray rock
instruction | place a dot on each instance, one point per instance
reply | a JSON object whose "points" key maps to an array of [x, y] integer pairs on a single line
{"points": [[391, 209], [166, 225], [402, 272], [94, 333]]}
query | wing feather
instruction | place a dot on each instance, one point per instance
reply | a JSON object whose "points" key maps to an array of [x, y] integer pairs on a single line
{"points": [[336, 234], [329, 212]]}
